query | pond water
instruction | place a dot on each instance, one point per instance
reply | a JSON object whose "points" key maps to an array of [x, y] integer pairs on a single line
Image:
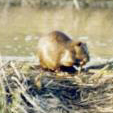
{"points": [[21, 27]]}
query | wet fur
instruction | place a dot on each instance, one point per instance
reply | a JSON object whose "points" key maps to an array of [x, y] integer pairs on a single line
{"points": [[57, 49]]}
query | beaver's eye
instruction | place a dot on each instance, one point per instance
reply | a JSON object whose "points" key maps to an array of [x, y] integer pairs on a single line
{"points": [[79, 43]]}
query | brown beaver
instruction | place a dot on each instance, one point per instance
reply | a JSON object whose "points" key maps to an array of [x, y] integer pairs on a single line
{"points": [[57, 49]]}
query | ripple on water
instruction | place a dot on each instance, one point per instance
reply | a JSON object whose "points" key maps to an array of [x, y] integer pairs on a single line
{"points": [[83, 38], [8, 47], [28, 38], [15, 38], [101, 44]]}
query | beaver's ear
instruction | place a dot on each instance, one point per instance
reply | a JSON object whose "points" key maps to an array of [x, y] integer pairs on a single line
{"points": [[79, 43]]}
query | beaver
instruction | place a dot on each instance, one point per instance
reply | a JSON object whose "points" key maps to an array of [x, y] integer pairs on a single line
{"points": [[57, 49]]}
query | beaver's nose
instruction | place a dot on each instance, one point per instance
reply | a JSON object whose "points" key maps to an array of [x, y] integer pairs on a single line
{"points": [[84, 61]]}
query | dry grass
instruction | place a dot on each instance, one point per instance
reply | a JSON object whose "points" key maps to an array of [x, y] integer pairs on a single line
{"points": [[26, 88]]}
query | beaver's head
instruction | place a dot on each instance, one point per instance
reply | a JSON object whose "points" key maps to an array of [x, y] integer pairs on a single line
{"points": [[81, 53]]}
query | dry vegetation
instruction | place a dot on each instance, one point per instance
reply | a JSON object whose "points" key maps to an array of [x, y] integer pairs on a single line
{"points": [[26, 88]]}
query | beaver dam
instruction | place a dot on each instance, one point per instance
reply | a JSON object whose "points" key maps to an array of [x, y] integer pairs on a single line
{"points": [[26, 88]]}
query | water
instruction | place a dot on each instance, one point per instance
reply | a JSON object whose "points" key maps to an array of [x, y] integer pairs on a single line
{"points": [[21, 27]]}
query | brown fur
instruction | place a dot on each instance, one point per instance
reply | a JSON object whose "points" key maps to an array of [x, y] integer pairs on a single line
{"points": [[57, 49]]}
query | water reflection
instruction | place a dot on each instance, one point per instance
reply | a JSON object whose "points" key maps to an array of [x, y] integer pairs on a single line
{"points": [[19, 34]]}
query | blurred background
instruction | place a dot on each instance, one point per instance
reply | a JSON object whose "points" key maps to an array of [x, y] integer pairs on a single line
{"points": [[23, 21]]}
